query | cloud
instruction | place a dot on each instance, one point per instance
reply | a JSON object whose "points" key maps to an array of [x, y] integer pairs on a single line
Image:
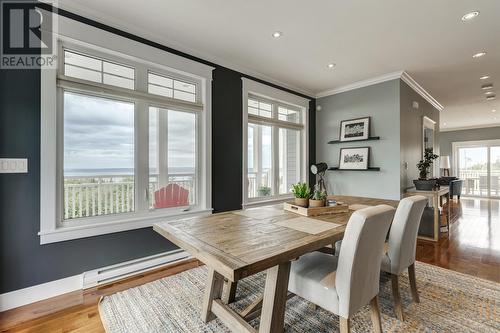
{"points": [[99, 133]]}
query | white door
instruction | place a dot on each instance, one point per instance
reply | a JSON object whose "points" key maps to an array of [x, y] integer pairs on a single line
{"points": [[478, 164]]}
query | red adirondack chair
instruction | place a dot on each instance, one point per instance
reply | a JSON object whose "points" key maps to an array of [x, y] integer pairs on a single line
{"points": [[171, 195]]}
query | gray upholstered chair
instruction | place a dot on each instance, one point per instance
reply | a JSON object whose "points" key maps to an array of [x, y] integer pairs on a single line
{"points": [[346, 283], [399, 252], [456, 188]]}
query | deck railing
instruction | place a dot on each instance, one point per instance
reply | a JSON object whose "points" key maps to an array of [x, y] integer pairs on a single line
{"points": [[96, 195], [476, 182]]}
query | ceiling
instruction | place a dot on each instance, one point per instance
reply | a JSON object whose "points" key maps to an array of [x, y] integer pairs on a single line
{"points": [[364, 38]]}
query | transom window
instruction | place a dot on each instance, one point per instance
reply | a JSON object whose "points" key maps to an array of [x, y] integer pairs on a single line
{"points": [[260, 108], [275, 150], [90, 68], [168, 87]]}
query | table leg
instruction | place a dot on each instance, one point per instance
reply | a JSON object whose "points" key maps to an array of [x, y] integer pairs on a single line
{"points": [[229, 294], [272, 319], [436, 219], [448, 215], [213, 290]]}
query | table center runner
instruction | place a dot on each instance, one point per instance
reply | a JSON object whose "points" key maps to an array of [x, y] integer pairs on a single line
{"points": [[308, 225]]}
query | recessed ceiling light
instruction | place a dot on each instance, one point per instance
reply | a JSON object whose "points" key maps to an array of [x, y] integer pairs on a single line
{"points": [[493, 110], [470, 16], [444, 124], [277, 34], [491, 97], [489, 93], [479, 54], [484, 77], [487, 86], [331, 66]]}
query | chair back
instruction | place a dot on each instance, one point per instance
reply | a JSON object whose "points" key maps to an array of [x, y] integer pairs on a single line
{"points": [[358, 270], [171, 195], [404, 230], [456, 187]]}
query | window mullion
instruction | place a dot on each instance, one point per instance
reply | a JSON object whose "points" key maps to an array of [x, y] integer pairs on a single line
{"points": [[141, 156], [275, 161], [258, 158], [163, 147]]}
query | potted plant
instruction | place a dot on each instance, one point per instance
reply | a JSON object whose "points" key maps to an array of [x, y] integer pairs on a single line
{"points": [[264, 191], [318, 198], [424, 166], [302, 193]]}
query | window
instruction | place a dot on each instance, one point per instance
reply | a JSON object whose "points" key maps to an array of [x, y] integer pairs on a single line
{"points": [[97, 70], [276, 150], [98, 156], [172, 158], [165, 86], [478, 164], [99, 174], [121, 147], [259, 108]]}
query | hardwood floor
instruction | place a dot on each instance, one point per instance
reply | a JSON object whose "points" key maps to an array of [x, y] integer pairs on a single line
{"points": [[473, 247], [77, 311]]}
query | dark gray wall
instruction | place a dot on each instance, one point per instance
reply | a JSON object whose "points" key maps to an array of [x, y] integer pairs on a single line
{"points": [[447, 138], [411, 132], [381, 103], [23, 261]]}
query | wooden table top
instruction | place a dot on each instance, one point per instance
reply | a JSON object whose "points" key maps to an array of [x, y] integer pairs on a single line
{"points": [[241, 243]]}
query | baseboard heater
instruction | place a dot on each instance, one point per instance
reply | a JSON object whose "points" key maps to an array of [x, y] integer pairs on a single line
{"points": [[126, 269]]}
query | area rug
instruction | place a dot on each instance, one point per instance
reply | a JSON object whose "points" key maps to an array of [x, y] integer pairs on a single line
{"points": [[450, 302]]}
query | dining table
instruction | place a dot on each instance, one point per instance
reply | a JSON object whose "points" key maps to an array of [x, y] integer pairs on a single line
{"points": [[236, 244]]}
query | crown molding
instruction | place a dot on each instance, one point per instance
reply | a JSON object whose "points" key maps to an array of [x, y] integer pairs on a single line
{"points": [[466, 128], [362, 83], [420, 90], [404, 76], [173, 44]]}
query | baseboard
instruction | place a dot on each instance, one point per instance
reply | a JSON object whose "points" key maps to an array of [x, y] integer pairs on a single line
{"points": [[40, 292], [89, 279]]}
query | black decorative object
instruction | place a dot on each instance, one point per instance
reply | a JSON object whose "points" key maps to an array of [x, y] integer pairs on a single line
{"points": [[369, 169], [320, 169], [424, 184], [371, 138]]}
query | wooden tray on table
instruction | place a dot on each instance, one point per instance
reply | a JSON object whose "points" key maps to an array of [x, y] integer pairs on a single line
{"points": [[316, 211]]}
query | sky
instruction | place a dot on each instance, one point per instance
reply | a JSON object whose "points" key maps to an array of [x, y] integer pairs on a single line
{"points": [[99, 134]]}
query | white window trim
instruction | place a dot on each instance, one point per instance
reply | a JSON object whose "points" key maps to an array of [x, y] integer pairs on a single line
{"points": [[474, 144], [250, 87], [88, 37]]}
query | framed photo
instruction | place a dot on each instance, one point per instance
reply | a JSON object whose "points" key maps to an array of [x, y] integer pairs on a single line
{"points": [[355, 129], [354, 158]]}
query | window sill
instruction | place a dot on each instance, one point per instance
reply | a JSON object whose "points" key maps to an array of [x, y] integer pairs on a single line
{"points": [[65, 233], [264, 202]]}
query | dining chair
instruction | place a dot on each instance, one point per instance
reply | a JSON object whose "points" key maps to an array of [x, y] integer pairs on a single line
{"points": [[344, 284], [399, 251]]}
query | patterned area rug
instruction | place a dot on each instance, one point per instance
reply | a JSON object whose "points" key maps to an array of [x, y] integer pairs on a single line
{"points": [[450, 302]]}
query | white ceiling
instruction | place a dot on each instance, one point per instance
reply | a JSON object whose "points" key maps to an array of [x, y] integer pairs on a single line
{"points": [[364, 38]]}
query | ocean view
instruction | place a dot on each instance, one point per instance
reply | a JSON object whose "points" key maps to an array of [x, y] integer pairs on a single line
{"points": [[120, 171]]}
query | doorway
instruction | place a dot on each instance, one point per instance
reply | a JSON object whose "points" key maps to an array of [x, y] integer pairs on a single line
{"points": [[478, 164]]}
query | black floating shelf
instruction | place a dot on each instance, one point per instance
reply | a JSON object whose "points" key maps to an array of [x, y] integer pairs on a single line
{"points": [[371, 138], [369, 169]]}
